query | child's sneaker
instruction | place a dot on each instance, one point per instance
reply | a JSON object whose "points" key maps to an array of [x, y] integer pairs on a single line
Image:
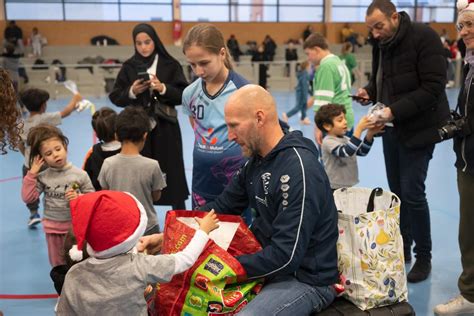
{"points": [[34, 220], [457, 306]]}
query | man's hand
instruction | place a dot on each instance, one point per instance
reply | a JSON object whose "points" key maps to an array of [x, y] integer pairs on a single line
{"points": [[150, 244], [386, 116], [363, 94]]}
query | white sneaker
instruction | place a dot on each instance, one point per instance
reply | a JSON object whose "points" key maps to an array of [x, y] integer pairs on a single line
{"points": [[284, 117], [456, 306]]}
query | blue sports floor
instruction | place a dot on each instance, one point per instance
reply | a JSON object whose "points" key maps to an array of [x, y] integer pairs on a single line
{"points": [[24, 266]]}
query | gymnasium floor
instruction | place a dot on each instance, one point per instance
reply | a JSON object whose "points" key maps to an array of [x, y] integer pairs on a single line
{"points": [[24, 266]]}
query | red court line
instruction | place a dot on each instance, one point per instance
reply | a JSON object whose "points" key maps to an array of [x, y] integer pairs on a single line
{"points": [[27, 296], [10, 179]]}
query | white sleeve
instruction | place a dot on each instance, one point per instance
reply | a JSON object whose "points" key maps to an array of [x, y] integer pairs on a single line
{"points": [[186, 258], [131, 95], [164, 89]]}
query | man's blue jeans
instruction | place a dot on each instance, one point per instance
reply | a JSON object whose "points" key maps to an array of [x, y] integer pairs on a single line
{"points": [[406, 173], [288, 296]]}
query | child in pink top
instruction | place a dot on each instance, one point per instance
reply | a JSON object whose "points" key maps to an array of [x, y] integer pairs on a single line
{"points": [[59, 183]]}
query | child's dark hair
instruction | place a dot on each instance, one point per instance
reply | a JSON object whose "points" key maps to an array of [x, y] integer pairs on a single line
{"points": [[70, 241], [131, 124], [41, 133], [327, 113], [103, 123], [33, 99]]}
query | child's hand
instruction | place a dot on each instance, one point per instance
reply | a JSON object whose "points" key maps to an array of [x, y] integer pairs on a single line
{"points": [[209, 222], [366, 123], [376, 129], [71, 194], [76, 98], [150, 244], [38, 162]]}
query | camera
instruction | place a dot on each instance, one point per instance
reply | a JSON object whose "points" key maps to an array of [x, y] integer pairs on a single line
{"points": [[457, 125]]}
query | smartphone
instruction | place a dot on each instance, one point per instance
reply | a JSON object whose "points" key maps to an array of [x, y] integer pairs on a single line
{"points": [[145, 76], [357, 98]]}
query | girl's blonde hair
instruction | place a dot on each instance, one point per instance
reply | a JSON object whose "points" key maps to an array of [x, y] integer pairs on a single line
{"points": [[41, 133], [209, 37]]}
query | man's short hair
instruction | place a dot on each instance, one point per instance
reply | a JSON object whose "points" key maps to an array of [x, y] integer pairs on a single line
{"points": [[327, 113], [316, 40], [33, 99], [131, 124], [385, 6]]}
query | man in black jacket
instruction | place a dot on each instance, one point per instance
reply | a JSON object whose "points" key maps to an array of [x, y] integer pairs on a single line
{"points": [[409, 77]]}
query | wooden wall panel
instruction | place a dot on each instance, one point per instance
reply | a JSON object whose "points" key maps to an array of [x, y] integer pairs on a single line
{"points": [[80, 33]]}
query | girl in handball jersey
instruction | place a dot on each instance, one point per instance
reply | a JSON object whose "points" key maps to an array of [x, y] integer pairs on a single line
{"points": [[215, 158]]}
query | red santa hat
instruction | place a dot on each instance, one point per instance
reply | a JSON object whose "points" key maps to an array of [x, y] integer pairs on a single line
{"points": [[465, 6], [110, 222]]}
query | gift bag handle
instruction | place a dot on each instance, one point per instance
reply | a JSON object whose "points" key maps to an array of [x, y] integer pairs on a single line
{"points": [[375, 192]]}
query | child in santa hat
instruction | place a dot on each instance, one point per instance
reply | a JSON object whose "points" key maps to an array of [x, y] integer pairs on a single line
{"points": [[112, 280]]}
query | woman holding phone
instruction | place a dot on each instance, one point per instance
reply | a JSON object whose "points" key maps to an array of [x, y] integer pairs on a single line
{"points": [[154, 80]]}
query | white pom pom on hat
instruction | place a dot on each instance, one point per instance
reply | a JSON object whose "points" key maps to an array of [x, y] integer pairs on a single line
{"points": [[110, 222], [465, 5]]}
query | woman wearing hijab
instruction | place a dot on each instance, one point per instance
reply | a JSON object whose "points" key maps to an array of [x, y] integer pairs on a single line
{"points": [[158, 89]]}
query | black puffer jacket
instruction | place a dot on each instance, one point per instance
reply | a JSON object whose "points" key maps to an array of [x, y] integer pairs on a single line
{"points": [[414, 79], [464, 146]]}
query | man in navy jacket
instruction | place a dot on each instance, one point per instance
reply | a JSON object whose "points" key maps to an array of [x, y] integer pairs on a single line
{"points": [[295, 216]]}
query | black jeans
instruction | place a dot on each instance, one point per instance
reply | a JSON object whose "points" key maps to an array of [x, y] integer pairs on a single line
{"points": [[406, 173]]}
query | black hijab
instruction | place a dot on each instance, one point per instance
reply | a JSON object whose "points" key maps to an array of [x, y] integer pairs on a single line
{"points": [[145, 62]]}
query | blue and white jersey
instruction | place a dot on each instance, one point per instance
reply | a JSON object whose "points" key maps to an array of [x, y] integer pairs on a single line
{"points": [[215, 158]]}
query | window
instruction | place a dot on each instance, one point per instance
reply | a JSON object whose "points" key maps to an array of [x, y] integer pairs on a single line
{"points": [[354, 10], [435, 11], [34, 10], [205, 10], [91, 12], [220, 10], [145, 12], [254, 13]]}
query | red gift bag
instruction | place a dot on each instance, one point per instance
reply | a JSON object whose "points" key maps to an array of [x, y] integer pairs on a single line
{"points": [[216, 284]]}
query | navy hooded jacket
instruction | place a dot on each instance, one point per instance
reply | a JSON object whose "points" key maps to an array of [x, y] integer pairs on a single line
{"points": [[296, 218]]}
